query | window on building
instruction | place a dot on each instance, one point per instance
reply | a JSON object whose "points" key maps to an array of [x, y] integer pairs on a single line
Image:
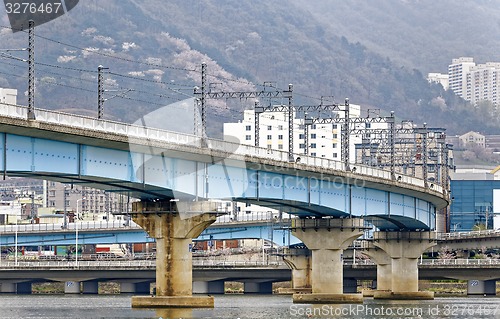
{"points": [[313, 145], [302, 146], [248, 137], [301, 136], [334, 155], [335, 135], [269, 137], [269, 127], [248, 127], [313, 154], [334, 126], [313, 126], [334, 145], [269, 146], [280, 146], [313, 136], [52, 193], [280, 137], [368, 125], [52, 203], [280, 127]]}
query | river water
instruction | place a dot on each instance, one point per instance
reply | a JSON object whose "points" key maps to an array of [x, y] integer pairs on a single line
{"points": [[243, 306]]}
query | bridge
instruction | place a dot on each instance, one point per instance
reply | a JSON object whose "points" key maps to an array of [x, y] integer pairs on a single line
{"points": [[255, 226], [209, 276], [175, 175]]}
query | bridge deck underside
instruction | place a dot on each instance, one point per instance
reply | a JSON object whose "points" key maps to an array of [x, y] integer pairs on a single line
{"points": [[166, 175]]}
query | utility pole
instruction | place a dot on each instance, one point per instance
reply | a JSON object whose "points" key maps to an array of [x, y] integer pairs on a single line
{"points": [[344, 153], [203, 95], [100, 91], [31, 70]]}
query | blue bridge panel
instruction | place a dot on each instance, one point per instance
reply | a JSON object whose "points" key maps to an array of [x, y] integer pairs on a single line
{"points": [[55, 156], [109, 163]]}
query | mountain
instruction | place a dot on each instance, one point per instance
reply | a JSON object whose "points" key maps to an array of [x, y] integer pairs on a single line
{"points": [[422, 34], [154, 50]]}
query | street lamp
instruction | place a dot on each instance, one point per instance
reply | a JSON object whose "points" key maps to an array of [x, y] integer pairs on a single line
{"points": [[76, 231]]}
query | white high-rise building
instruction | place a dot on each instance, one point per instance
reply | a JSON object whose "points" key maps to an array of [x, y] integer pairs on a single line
{"points": [[324, 139], [483, 83], [457, 75]]}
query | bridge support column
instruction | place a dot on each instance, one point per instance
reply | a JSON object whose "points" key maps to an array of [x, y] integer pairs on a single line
{"points": [[384, 268], [208, 287], [24, 288], [72, 287], [299, 261], [8, 288], [141, 288], [257, 287], [404, 249], [174, 225], [327, 238], [482, 287], [90, 287]]}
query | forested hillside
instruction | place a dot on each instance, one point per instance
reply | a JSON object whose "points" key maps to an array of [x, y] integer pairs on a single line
{"points": [[154, 49]]}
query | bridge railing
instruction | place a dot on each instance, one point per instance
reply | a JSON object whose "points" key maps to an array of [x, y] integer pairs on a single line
{"points": [[151, 264], [130, 264], [131, 130], [252, 217], [82, 226], [469, 234], [461, 262], [434, 262]]}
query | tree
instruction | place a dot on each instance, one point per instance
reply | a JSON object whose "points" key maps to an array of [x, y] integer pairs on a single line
{"points": [[445, 253]]}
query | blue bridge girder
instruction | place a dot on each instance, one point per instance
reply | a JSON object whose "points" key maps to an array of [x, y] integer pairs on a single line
{"points": [[154, 164]]}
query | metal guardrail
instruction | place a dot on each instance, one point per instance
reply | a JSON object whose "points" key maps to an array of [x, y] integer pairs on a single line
{"points": [[162, 136], [469, 234], [89, 225], [109, 264], [151, 264], [436, 262], [120, 225]]}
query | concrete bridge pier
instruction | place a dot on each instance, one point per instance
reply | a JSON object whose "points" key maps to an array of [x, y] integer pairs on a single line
{"points": [[174, 225], [208, 287], [482, 287], [72, 287], [327, 238], [404, 249], [384, 268], [140, 288], [22, 288], [253, 287], [299, 261], [8, 287]]}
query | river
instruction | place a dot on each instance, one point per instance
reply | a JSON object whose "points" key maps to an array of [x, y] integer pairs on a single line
{"points": [[243, 306]]}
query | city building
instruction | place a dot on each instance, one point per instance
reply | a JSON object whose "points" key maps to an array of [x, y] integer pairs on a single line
{"points": [[457, 75], [472, 139], [440, 78], [472, 82], [324, 140], [32, 200], [472, 203], [483, 83]]}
